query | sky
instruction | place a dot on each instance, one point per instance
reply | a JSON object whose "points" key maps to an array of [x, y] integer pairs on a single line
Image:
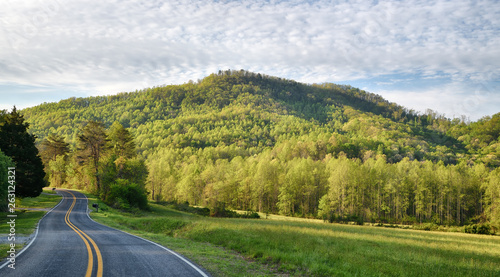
{"points": [[439, 55]]}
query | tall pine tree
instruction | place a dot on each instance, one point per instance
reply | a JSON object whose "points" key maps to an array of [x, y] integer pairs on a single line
{"points": [[122, 142], [92, 145], [52, 147], [17, 143]]}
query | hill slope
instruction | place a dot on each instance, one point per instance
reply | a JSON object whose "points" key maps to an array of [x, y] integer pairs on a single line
{"points": [[243, 107], [243, 140]]}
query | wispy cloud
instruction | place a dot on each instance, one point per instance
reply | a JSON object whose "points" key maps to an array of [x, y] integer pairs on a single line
{"points": [[451, 99], [112, 46]]}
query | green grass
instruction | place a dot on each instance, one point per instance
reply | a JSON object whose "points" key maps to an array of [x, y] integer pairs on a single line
{"points": [[47, 200], [25, 222], [309, 247], [26, 219], [165, 226], [289, 246], [4, 247], [341, 250]]}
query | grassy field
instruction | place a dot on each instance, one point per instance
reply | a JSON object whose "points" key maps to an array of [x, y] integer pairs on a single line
{"points": [[165, 226], [310, 248], [29, 211], [290, 246]]}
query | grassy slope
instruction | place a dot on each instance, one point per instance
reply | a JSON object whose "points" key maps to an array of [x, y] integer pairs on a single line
{"points": [[27, 220], [164, 226], [310, 248]]}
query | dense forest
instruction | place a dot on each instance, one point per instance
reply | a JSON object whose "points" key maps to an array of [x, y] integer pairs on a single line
{"points": [[249, 141]]}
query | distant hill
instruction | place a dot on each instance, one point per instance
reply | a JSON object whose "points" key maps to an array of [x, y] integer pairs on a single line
{"points": [[258, 111], [207, 142]]}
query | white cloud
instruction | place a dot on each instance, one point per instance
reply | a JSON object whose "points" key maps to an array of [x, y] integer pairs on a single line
{"points": [[111, 46], [454, 100]]}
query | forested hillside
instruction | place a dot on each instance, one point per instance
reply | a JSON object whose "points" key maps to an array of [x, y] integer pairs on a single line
{"points": [[249, 141]]}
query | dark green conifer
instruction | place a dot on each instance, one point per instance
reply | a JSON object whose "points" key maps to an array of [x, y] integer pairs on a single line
{"points": [[17, 143]]}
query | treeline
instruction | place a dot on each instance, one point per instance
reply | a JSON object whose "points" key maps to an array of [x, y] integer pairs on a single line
{"points": [[289, 180], [103, 161], [21, 169], [207, 142]]}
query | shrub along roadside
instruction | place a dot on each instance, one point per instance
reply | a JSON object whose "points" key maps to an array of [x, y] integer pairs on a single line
{"points": [[125, 195], [218, 211]]}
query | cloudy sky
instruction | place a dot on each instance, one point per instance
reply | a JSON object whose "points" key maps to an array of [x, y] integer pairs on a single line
{"points": [[442, 55]]}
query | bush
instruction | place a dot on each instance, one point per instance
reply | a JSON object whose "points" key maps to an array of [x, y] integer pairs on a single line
{"points": [[482, 228], [125, 196], [409, 220], [426, 227], [218, 211], [194, 210], [221, 212], [358, 220], [250, 214]]}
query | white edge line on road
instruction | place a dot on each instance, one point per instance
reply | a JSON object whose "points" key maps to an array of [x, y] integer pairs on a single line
{"points": [[36, 234], [159, 245]]}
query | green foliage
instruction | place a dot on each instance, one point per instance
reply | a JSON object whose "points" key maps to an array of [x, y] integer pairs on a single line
{"points": [[427, 227], [57, 171], [104, 161], [5, 163], [256, 142], [484, 229], [221, 211], [52, 147], [19, 145], [122, 142], [92, 145], [184, 207], [218, 211], [125, 196], [491, 185]]}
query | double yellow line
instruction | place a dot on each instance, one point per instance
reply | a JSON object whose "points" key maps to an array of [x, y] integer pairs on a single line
{"points": [[85, 239]]}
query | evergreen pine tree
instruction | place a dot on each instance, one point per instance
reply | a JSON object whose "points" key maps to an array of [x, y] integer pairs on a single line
{"points": [[121, 141], [17, 143], [54, 146], [92, 145]]}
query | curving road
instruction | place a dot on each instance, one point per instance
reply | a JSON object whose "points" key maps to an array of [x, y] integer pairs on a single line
{"points": [[69, 243]]}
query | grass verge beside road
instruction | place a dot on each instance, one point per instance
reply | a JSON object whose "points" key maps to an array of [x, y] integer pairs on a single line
{"points": [[165, 226], [29, 211], [300, 248]]}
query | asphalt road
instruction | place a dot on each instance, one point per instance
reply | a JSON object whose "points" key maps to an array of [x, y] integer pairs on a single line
{"points": [[69, 243]]}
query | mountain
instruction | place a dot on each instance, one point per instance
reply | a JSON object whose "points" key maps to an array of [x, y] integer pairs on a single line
{"points": [[226, 107], [205, 142]]}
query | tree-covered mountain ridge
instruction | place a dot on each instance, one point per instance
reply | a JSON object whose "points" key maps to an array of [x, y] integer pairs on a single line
{"points": [[249, 141], [253, 111]]}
